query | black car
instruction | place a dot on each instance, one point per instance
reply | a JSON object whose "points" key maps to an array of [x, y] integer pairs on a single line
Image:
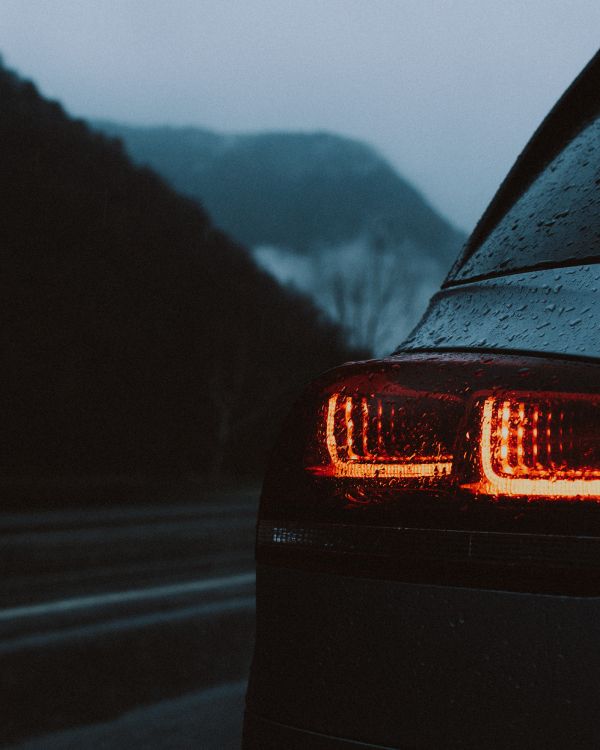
{"points": [[428, 543]]}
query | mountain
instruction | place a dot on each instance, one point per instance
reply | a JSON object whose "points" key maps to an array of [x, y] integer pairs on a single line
{"points": [[136, 337], [294, 190], [305, 202]]}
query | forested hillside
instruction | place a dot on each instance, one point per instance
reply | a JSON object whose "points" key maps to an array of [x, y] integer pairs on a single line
{"points": [[326, 214], [294, 190], [135, 336]]}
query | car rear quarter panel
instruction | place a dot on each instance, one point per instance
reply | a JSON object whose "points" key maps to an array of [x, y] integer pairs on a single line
{"points": [[551, 311]]}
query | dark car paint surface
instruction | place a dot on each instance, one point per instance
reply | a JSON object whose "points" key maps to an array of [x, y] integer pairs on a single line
{"points": [[533, 284]]}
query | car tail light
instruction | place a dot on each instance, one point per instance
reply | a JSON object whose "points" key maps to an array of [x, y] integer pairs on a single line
{"points": [[540, 445], [400, 434], [377, 427], [449, 453]]}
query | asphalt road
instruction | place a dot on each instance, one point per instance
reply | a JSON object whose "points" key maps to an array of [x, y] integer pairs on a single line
{"points": [[81, 551], [127, 625], [206, 720]]}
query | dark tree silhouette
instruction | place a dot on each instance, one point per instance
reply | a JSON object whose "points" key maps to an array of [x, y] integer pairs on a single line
{"points": [[135, 336]]}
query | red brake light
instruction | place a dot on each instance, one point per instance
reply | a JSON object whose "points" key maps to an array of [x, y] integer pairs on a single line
{"points": [[540, 445], [384, 428], [452, 468], [397, 435]]}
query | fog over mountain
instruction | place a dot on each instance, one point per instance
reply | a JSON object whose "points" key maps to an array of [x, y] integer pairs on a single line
{"points": [[323, 213]]}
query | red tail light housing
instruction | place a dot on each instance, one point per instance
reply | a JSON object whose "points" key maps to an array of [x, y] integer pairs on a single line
{"points": [[540, 445], [448, 444], [459, 422], [393, 434]]}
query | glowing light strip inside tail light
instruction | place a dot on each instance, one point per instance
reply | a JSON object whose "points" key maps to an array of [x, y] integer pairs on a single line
{"points": [[510, 470], [374, 463]]}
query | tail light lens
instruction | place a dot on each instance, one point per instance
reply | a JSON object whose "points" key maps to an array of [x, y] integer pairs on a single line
{"points": [[540, 446], [399, 434], [455, 448], [451, 423]]}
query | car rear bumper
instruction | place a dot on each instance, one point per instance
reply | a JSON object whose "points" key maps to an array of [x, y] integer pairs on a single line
{"points": [[396, 665]]}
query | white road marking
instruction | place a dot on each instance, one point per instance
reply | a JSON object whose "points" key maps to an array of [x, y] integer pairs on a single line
{"points": [[154, 620], [119, 597]]}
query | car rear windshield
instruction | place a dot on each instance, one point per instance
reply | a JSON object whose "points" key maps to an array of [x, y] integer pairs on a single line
{"points": [[556, 220]]}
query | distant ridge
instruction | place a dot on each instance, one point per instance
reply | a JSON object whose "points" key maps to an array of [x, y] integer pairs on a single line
{"points": [[322, 213], [299, 191]]}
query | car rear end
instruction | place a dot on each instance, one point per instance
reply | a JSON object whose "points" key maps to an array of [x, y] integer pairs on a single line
{"points": [[428, 544]]}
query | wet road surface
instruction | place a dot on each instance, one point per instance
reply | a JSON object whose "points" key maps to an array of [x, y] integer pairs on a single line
{"points": [[127, 624]]}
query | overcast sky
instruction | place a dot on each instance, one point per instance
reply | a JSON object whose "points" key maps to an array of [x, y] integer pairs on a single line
{"points": [[448, 91]]}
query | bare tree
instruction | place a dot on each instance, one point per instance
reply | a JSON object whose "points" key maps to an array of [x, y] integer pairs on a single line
{"points": [[371, 287], [375, 286]]}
